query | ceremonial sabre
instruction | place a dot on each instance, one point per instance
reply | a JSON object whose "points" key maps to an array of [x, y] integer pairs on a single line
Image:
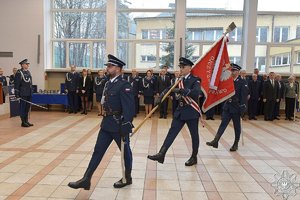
{"points": [[32, 103], [122, 159]]}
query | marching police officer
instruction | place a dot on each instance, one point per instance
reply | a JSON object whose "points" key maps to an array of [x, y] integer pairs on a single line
{"points": [[23, 90], [188, 112], [72, 89], [118, 104], [134, 80], [233, 109]]}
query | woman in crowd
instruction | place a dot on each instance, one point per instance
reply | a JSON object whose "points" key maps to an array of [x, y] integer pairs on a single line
{"points": [[85, 90], [99, 83], [91, 93], [290, 94], [148, 90]]}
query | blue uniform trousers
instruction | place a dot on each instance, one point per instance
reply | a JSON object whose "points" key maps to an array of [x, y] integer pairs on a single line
{"points": [[137, 104], [73, 101], [103, 141], [176, 126], [226, 117], [24, 106]]}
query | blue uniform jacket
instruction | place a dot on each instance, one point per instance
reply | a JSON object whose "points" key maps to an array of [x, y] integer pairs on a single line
{"points": [[72, 81], [135, 84], [3, 80], [23, 83], [187, 112], [118, 98], [240, 97], [99, 84], [148, 87]]}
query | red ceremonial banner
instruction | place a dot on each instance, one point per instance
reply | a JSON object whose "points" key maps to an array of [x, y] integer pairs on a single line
{"points": [[215, 72]]}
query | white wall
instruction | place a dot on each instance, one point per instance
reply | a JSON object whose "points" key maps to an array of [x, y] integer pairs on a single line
{"points": [[20, 24]]}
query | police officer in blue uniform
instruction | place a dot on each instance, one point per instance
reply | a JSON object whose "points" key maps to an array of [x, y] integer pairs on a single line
{"points": [[72, 89], [233, 109], [189, 90], [134, 80], [23, 90], [118, 104]]}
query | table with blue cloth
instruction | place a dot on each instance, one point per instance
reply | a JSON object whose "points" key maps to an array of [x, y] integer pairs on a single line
{"points": [[48, 99]]}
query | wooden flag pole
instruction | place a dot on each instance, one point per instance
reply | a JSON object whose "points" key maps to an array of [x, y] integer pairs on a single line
{"points": [[153, 110]]}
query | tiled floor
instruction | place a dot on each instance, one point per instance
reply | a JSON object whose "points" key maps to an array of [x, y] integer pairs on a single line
{"points": [[38, 162]]}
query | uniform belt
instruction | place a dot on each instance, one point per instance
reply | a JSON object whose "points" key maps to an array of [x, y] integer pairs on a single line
{"points": [[182, 103], [232, 100], [112, 113]]}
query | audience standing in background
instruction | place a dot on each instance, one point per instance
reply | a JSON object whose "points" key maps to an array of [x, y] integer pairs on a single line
{"points": [[3, 82], [270, 96], [255, 92], [91, 92], [148, 91], [290, 96], [99, 83], [134, 81], [280, 94], [72, 89], [12, 77], [85, 90], [163, 82]]}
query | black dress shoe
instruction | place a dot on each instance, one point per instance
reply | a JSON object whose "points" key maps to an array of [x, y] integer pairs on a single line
{"points": [[165, 117], [191, 161], [235, 146], [212, 118], [70, 112], [207, 118], [84, 183], [30, 124], [254, 118], [160, 156], [277, 118], [121, 184], [160, 117], [24, 124]]}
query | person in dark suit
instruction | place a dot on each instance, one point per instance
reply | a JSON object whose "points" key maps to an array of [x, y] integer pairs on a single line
{"points": [[91, 92], [3, 82], [175, 96], [124, 76], [255, 91], [270, 96], [12, 77], [188, 112], [171, 76], [163, 82], [72, 89], [148, 91], [116, 125], [23, 90], [233, 109], [99, 83], [85, 85], [134, 81], [290, 94], [298, 87], [243, 75], [281, 86]]}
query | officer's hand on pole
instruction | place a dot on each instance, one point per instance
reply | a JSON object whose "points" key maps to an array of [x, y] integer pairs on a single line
{"points": [[265, 100], [277, 100]]}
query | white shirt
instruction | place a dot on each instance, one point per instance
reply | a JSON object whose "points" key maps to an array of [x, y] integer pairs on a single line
{"points": [[113, 79], [84, 78]]}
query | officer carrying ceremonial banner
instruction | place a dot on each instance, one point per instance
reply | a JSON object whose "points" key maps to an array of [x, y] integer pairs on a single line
{"points": [[118, 103], [187, 112]]}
